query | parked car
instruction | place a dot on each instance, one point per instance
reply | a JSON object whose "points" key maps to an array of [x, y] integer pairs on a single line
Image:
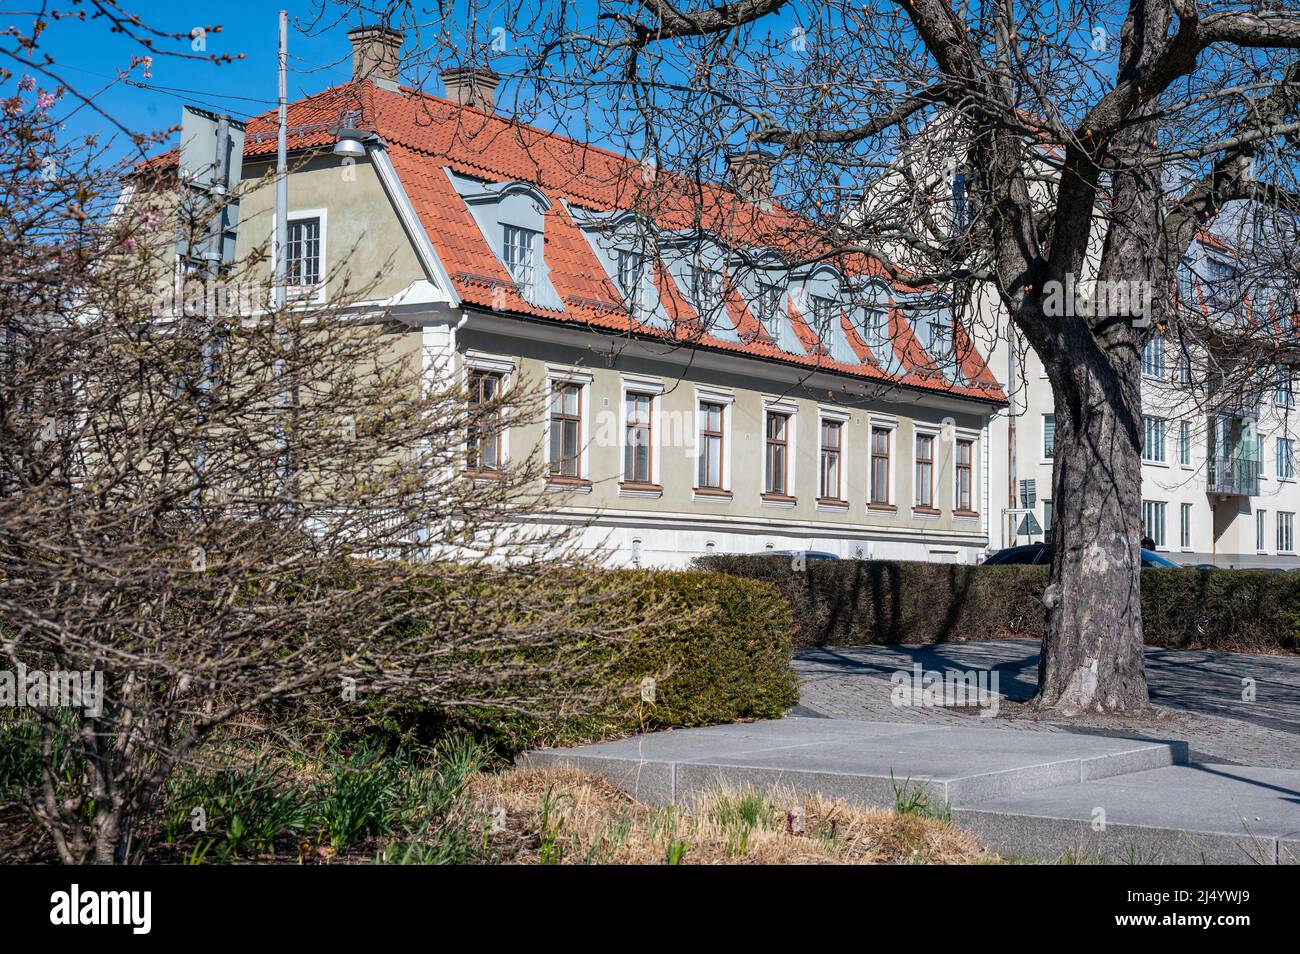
{"points": [[1040, 554], [806, 554]]}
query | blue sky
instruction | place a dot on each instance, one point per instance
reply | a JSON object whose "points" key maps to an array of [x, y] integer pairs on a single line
{"points": [[89, 56]]}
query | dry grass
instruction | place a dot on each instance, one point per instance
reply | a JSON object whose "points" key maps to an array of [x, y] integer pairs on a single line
{"points": [[565, 817]]}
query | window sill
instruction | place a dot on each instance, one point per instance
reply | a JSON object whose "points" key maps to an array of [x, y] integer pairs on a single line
{"points": [[966, 514], [928, 512], [485, 476], [834, 504], [577, 485], [712, 495], [634, 489], [882, 507], [778, 500]]}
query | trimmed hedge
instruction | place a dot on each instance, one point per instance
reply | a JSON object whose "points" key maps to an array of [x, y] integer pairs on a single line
{"points": [[717, 645], [843, 602]]}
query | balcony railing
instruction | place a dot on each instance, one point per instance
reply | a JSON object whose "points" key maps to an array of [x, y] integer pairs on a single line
{"points": [[1236, 476]]}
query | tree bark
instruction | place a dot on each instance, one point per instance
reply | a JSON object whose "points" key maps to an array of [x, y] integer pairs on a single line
{"points": [[1092, 649]]}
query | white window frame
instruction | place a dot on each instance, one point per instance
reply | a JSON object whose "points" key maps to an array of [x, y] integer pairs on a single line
{"points": [[842, 418], [890, 424], [1157, 343], [1185, 516], [1161, 541], [775, 405], [584, 379], [1289, 477], [933, 431], [1289, 524], [1185, 445], [654, 388], [1163, 459], [305, 293], [1261, 531], [529, 287], [1042, 438], [973, 437], [727, 399], [492, 365]]}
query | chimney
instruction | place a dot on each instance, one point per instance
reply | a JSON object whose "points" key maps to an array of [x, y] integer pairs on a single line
{"points": [[751, 176], [376, 53], [472, 86]]}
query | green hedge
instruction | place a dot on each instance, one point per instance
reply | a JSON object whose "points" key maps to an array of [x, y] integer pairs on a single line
{"points": [[717, 645], [843, 602]]}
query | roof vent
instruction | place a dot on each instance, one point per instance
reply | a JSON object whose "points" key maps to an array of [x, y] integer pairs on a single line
{"points": [[751, 176], [472, 86], [376, 54]]}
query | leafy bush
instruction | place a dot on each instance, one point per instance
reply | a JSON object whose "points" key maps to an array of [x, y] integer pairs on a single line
{"points": [[843, 602]]}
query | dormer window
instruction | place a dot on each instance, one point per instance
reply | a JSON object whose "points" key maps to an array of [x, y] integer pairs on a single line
{"points": [[519, 247], [823, 311], [708, 286], [877, 327], [631, 278], [769, 307]]}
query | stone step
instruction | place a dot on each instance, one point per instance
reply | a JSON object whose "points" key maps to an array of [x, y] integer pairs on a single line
{"points": [[863, 762]]}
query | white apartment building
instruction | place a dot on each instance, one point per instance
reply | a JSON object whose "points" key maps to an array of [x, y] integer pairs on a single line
{"points": [[1217, 486]]}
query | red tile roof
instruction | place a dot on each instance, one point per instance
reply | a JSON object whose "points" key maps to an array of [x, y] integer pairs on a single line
{"points": [[425, 134]]}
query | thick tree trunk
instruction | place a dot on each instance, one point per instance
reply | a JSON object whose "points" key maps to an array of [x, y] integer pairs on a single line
{"points": [[1092, 649]]}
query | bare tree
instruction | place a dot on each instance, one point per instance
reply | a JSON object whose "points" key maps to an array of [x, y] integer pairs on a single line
{"points": [[210, 506], [1006, 151]]}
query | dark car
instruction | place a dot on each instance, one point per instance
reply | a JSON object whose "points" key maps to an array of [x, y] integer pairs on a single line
{"points": [[1040, 554]]}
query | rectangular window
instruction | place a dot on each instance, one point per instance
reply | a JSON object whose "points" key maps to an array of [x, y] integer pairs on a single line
{"points": [[1047, 516], [1153, 520], [776, 471], [631, 278], [303, 252], [1185, 526], [1261, 531], [823, 310], [831, 434], [965, 474], [520, 249], [1285, 527], [1153, 357], [1184, 368], [707, 286], [1185, 443], [1285, 458], [566, 429], [1153, 443], [637, 461], [769, 308], [483, 446], [1285, 395], [877, 329], [1049, 436], [880, 465], [711, 438], [924, 490]]}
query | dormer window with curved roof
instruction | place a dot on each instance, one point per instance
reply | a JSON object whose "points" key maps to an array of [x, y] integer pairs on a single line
{"points": [[512, 216]]}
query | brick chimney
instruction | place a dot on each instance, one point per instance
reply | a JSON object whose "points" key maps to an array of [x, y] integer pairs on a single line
{"points": [[472, 86], [376, 53], [751, 176]]}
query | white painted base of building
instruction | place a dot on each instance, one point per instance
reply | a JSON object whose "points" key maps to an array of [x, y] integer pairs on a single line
{"points": [[651, 543]]}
